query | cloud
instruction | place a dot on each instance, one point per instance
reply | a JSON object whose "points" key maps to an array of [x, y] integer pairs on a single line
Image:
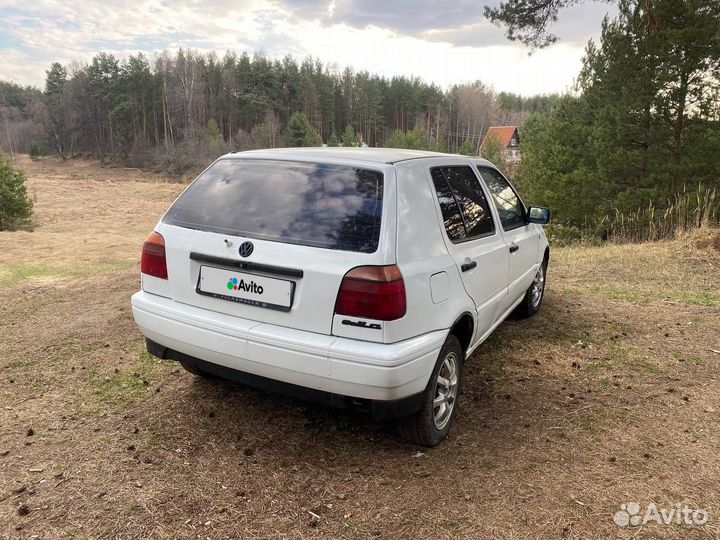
{"points": [[446, 43], [17, 66], [480, 34], [66, 31], [506, 67], [460, 22]]}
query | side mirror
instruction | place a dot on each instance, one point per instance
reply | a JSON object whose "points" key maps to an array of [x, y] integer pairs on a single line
{"points": [[539, 215]]}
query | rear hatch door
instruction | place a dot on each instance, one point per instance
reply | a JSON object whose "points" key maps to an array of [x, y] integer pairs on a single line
{"points": [[270, 241]]}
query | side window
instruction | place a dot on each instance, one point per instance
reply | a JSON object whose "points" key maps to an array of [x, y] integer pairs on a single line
{"points": [[508, 204], [448, 206], [463, 204]]}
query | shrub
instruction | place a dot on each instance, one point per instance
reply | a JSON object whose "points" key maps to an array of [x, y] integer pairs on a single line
{"points": [[15, 206], [691, 209], [34, 151], [417, 139], [213, 130], [467, 148]]}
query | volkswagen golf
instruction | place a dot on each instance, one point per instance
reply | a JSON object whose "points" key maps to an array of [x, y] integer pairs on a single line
{"points": [[355, 277]]}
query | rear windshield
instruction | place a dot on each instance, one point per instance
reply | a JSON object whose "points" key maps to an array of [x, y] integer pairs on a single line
{"points": [[312, 204]]}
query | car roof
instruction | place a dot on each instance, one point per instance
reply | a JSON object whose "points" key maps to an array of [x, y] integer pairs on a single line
{"points": [[373, 155]]}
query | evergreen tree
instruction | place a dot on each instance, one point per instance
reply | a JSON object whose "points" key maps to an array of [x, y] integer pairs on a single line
{"points": [[558, 167], [528, 21], [300, 132], [645, 110], [349, 138], [55, 82], [15, 206]]}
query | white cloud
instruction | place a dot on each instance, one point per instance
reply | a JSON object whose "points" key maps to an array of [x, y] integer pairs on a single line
{"points": [[36, 33], [16, 66], [507, 67]]}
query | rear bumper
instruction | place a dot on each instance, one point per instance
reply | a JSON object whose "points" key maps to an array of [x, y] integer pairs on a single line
{"points": [[312, 366], [378, 409]]}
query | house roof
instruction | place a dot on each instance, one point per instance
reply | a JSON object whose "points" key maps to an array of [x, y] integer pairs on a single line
{"points": [[504, 133]]}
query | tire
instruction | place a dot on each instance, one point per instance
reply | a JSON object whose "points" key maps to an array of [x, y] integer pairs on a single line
{"points": [[425, 427], [190, 368], [531, 302]]}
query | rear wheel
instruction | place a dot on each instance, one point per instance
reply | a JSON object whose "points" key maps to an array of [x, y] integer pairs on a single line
{"points": [[199, 372], [431, 424], [530, 304]]}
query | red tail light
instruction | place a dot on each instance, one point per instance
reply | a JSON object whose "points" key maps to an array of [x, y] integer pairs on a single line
{"points": [[153, 256], [372, 292]]}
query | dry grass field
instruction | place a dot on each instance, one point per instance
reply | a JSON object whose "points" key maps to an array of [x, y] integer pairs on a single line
{"points": [[610, 395]]}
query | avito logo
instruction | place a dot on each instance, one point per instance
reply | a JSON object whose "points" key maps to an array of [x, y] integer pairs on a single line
{"points": [[234, 285], [631, 514]]}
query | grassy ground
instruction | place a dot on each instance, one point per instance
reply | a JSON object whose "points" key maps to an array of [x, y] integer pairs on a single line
{"points": [[609, 395]]}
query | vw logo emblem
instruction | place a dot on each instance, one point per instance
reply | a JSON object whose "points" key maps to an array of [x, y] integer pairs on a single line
{"points": [[246, 249]]}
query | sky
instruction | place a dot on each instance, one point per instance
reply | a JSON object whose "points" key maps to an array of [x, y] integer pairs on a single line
{"points": [[440, 41]]}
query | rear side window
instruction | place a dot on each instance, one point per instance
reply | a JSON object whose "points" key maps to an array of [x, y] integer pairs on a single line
{"points": [[311, 204], [454, 225], [465, 209], [509, 206]]}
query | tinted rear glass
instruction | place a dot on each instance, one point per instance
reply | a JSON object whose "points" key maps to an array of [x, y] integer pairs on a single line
{"points": [[312, 204], [471, 199], [454, 224], [464, 208]]}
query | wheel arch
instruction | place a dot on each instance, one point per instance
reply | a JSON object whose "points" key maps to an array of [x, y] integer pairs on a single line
{"points": [[463, 329]]}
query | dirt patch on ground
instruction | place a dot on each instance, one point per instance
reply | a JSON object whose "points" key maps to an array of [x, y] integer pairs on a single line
{"points": [[609, 395]]}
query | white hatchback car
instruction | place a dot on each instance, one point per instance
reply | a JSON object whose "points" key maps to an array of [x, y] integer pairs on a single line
{"points": [[359, 278]]}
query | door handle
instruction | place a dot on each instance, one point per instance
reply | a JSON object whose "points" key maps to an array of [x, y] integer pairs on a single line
{"points": [[468, 266], [514, 247]]}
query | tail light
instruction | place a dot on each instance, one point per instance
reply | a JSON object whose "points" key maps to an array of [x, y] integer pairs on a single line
{"points": [[153, 261], [372, 292]]}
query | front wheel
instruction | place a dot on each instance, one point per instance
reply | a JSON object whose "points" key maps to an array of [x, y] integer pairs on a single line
{"points": [[530, 304], [431, 424]]}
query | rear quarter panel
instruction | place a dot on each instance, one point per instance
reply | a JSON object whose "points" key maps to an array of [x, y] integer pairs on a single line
{"points": [[422, 254]]}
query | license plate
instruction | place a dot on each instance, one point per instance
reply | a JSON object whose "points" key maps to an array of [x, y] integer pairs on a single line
{"points": [[245, 288]]}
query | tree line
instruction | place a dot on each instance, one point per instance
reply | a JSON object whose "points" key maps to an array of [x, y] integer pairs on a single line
{"points": [[190, 103]]}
